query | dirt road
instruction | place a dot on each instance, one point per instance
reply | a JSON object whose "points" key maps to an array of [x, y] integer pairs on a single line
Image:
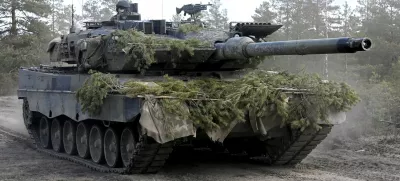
{"points": [[373, 158]]}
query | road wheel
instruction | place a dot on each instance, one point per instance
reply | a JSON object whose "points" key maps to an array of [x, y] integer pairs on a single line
{"points": [[111, 147], [127, 146], [82, 140], [44, 132], [96, 145], [69, 137], [56, 135], [27, 114]]}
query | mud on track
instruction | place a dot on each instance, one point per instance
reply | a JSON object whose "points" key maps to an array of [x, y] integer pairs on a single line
{"points": [[367, 159]]}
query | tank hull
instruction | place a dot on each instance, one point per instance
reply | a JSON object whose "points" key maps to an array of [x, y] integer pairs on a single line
{"points": [[49, 99]]}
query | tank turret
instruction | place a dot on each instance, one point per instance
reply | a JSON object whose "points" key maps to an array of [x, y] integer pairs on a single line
{"points": [[124, 43], [214, 55]]}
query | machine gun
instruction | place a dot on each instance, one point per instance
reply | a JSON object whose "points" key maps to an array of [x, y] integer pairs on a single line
{"points": [[192, 9]]}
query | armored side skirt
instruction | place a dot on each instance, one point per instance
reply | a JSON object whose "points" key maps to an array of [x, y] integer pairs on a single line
{"points": [[53, 94]]}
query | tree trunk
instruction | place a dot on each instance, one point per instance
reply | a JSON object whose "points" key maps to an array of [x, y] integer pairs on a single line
{"points": [[13, 30]]}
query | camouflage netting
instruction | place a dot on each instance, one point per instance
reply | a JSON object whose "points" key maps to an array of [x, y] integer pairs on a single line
{"points": [[215, 104], [95, 51]]}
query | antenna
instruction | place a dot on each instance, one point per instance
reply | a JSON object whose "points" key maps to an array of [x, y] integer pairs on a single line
{"points": [[72, 29]]}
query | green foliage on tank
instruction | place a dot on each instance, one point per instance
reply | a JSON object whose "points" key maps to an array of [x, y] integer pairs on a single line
{"points": [[188, 28], [215, 104], [141, 48]]}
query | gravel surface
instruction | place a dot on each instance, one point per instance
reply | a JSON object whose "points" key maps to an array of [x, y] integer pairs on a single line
{"points": [[363, 159]]}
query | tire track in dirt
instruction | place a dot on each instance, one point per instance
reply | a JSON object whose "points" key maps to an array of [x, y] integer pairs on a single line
{"points": [[356, 165]]}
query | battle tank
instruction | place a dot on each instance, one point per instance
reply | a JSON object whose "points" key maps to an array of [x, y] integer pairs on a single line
{"points": [[125, 136]]}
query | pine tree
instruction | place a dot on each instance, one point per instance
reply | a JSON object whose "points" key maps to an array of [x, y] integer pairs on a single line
{"points": [[99, 10], [63, 19], [23, 16], [217, 17], [348, 26], [265, 13], [23, 37], [380, 22]]}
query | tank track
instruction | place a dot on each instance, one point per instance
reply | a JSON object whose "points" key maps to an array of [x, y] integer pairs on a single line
{"points": [[148, 157], [295, 148], [301, 146]]}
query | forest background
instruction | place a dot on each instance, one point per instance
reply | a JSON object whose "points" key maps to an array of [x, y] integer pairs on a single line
{"points": [[26, 27]]}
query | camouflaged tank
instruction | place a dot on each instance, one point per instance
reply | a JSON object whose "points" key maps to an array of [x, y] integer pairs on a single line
{"points": [[126, 136]]}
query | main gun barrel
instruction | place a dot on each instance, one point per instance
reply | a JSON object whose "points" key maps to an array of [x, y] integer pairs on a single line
{"points": [[245, 47]]}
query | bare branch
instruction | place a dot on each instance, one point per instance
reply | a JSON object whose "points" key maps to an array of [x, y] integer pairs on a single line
{"points": [[4, 31], [6, 24]]}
